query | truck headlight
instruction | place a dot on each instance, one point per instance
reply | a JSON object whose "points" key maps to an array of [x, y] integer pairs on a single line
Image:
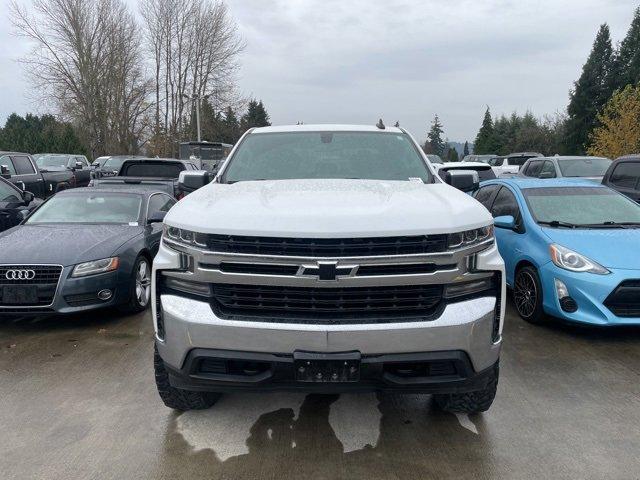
{"points": [[96, 266], [470, 237], [573, 261], [184, 237]]}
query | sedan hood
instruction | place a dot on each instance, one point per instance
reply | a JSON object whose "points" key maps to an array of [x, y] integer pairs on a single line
{"points": [[62, 244], [328, 208], [611, 247]]}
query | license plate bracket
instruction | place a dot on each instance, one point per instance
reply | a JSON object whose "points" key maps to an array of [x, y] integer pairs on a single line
{"points": [[19, 295], [311, 367]]}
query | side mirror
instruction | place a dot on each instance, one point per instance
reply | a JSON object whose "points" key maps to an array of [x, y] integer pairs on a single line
{"points": [[27, 197], [156, 217], [79, 165], [465, 180], [505, 221], [546, 175], [4, 171], [191, 180]]}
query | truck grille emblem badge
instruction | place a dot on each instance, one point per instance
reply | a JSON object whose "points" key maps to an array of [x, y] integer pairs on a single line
{"points": [[326, 271]]}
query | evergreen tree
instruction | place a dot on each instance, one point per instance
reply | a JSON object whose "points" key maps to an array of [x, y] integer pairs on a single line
{"points": [[434, 137], [231, 126], [591, 91], [34, 134], [485, 140], [626, 67], [452, 154], [256, 116], [465, 151]]}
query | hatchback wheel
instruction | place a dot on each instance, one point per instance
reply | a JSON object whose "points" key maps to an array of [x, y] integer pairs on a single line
{"points": [[527, 295]]}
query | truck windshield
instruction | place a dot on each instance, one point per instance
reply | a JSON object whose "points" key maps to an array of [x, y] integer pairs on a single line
{"points": [[581, 206], [53, 161], [584, 167], [89, 208], [326, 155]]}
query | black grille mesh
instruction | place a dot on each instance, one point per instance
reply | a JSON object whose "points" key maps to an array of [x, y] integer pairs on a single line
{"points": [[322, 247], [624, 301]]}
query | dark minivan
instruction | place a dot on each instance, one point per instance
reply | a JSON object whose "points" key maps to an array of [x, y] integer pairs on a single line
{"points": [[623, 175]]}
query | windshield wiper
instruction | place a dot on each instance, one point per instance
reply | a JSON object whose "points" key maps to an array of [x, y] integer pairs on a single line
{"points": [[611, 223], [559, 223]]}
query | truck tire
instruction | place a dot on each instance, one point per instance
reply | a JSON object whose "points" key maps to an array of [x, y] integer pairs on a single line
{"points": [[177, 398], [470, 402]]}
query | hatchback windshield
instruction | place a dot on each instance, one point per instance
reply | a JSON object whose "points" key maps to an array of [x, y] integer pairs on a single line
{"points": [[584, 167], [576, 206], [89, 208], [326, 155], [52, 161]]}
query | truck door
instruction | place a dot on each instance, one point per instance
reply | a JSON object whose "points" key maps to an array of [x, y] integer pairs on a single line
{"points": [[27, 177]]}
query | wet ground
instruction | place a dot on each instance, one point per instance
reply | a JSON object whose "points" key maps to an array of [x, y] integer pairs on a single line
{"points": [[78, 401]]}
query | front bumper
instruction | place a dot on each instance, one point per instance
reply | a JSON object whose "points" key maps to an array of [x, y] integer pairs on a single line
{"points": [[432, 372], [590, 292], [75, 295]]}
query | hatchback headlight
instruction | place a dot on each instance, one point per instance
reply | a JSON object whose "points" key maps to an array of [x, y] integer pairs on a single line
{"points": [[184, 237], [573, 261], [470, 237], [97, 266]]}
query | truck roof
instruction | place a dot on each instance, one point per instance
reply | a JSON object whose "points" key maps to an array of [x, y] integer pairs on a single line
{"points": [[325, 128]]}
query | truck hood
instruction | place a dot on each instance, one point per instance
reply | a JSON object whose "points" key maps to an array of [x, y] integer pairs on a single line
{"points": [[328, 208], [63, 244], [611, 247]]}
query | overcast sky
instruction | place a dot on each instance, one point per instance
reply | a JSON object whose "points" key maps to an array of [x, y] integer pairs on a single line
{"points": [[336, 61]]}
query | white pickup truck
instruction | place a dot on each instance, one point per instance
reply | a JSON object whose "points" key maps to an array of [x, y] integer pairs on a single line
{"points": [[328, 258]]}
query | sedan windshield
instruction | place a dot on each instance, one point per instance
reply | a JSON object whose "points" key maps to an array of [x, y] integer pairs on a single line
{"points": [[581, 206], [52, 161], [326, 155], [89, 208], [584, 167]]}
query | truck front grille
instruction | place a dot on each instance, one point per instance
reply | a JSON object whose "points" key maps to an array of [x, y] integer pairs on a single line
{"points": [[324, 247], [326, 305]]}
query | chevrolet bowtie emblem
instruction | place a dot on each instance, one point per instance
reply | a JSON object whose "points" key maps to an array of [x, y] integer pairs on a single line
{"points": [[326, 271]]}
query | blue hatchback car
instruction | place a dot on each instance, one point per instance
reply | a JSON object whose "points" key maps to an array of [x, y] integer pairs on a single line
{"points": [[571, 249]]}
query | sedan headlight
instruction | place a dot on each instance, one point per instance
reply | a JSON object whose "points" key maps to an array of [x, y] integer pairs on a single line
{"points": [[97, 266], [184, 237], [573, 261], [470, 237]]}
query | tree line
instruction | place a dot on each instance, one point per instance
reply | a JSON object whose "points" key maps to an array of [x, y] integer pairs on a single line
{"points": [[602, 116], [89, 66]]}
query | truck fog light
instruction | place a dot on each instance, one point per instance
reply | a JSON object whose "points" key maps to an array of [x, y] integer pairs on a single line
{"points": [[467, 288], [105, 294]]}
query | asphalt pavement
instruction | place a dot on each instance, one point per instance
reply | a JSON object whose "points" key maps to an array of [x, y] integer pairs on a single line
{"points": [[78, 401]]}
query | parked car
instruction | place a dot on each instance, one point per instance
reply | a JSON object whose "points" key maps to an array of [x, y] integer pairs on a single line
{"points": [[327, 258], [15, 204], [81, 250], [152, 173], [78, 164], [434, 158], [570, 248], [571, 167], [22, 171], [478, 158], [485, 172], [511, 164], [623, 175]]}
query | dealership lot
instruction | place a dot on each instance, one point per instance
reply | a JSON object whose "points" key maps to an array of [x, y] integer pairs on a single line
{"points": [[79, 401]]}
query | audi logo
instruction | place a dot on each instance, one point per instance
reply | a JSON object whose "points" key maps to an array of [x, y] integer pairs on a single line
{"points": [[20, 275]]}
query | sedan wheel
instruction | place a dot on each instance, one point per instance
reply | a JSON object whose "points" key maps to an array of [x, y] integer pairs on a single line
{"points": [[143, 283], [527, 295]]}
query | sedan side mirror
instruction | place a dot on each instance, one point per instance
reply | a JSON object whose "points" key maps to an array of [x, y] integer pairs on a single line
{"points": [[156, 217], [27, 197], [4, 171], [191, 180], [505, 221], [465, 180]]}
